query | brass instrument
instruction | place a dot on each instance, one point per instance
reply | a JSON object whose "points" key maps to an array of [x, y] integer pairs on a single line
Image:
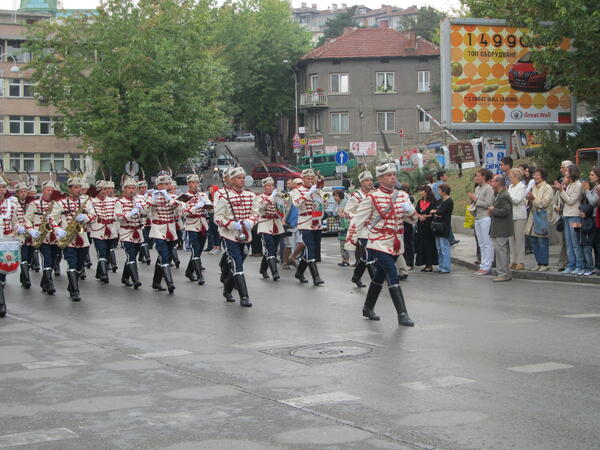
{"points": [[73, 228], [44, 228]]}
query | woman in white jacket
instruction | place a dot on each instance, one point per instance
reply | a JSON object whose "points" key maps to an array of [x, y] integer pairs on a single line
{"points": [[518, 191]]}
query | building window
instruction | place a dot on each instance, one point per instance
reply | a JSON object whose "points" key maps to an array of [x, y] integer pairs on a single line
{"points": [[29, 162], [340, 123], [46, 125], [423, 122], [14, 87], [386, 121], [316, 123], [49, 161], [28, 125], [27, 88], [384, 82], [1, 125], [15, 162], [314, 82], [23, 162], [339, 83], [1, 85], [423, 81], [77, 162], [14, 124], [20, 55]]}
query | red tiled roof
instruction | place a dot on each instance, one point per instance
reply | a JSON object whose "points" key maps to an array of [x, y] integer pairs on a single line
{"points": [[371, 43]]}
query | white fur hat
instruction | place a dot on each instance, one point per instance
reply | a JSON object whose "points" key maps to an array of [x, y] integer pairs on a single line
{"points": [[386, 168], [74, 181], [308, 173], [236, 171], [192, 177], [267, 181], [163, 179], [366, 175], [128, 181], [49, 183]]}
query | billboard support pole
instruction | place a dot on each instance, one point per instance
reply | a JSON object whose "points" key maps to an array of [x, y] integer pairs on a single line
{"points": [[433, 119]]}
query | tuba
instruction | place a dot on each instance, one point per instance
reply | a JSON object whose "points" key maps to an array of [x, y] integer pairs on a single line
{"points": [[44, 228], [73, 228]]}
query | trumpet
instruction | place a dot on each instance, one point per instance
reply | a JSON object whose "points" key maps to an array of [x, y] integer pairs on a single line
{"points": [[324, 195], [283, 195]]}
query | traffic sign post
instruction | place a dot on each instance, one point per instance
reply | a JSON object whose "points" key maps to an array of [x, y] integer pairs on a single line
{"points": [[341, 169], [341, 157]]}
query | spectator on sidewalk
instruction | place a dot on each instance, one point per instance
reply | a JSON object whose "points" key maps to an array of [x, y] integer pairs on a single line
{"points": [[571, 192], [562, 258], [481, 200], [516, 190], [586, 237], [442, 177], [501, 228], [425, 240], [408, 237], [540, 197], [506, 165], [592, 194], [443, 214]]}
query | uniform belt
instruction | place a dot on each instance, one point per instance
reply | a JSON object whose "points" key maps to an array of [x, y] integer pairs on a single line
{"points": [[105, 221], [386, 231], [162, 222], [130, 227], [194, 216], [306, 213]]}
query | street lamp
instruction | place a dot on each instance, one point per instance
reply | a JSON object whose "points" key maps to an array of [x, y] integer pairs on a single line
{"points": [[15, 68], [286, 61]]}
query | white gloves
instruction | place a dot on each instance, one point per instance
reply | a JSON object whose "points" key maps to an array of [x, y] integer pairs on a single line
{"points": [[165, 194], [21, 229], [60, 232], [34, 233], [408, 207], [248, 224], [133, 212], [138, 206], [237, 226], [199, 205], [80, 218], [274, 194], [312, 189]]}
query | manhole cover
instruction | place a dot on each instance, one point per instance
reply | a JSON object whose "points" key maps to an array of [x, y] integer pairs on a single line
{"points": [[322, 353], [330, 352]]}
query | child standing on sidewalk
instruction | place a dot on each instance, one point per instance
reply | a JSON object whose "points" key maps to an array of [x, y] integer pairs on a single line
{"points": [[586, 237]]}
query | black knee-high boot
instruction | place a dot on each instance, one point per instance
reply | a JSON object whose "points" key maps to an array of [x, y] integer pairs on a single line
{"points": [[273, 266], [2, 300], [240, 283], [156, 280], [398, 300], [372, 296], [145, 254], [197, 267], [314, 271], [371, 269], [88, 261], [190, 271], [175, 257], [302, 265], [359, 270], [35, 260], [47, 284], [126, 275], [264, 267], [133, 273], [102, 271], [224, 265], [25, 277], [166, 273], [73, 288], [57, 261], [112, 255], [228, 285]]}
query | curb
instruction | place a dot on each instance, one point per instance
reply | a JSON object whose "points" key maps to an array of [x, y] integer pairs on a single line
{"points": [[539, 276]]}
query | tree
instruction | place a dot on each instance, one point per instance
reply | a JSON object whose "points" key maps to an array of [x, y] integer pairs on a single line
{"points": [[550, 22], [138, 81], [426, 24], [335, 27]]}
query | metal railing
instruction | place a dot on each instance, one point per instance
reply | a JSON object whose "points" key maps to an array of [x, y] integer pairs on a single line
{"points": [[313, 99]]}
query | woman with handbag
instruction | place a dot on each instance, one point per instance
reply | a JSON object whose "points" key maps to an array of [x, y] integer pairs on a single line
{"points": [[517, 191], [592, 194], [425, 240], [538, 224], [441, 226]]}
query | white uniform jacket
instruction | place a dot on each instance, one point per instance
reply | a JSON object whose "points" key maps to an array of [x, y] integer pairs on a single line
{"points": [[104, 225], [269, 217], [130, 227], [239, 203], [65, 211], [384, 234], [162, 213], [195, 219], [352, 206], [310, 211], [8, 205], [37, 211]]}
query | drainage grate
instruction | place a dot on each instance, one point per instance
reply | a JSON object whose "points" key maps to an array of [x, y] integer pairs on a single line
{"points": [[323, 353]]}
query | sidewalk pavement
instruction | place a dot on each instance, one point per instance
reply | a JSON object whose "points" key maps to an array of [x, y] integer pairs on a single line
{"points": [[464, 254]]}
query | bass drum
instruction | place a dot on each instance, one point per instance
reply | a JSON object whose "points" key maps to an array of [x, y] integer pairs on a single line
{"points": [[10, 255]]}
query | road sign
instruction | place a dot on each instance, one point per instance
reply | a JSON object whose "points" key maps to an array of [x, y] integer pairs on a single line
{"points": [[297, 150], [341, 157], [296, 145], [341, 169], [301, 130], [401, 133], [303, 141]]}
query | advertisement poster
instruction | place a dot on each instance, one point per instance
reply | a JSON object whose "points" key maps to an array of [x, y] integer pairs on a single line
{"points": [[331, 148], [462, 152], [493, 152], [315, 141], [364, 148], [490, 81]]}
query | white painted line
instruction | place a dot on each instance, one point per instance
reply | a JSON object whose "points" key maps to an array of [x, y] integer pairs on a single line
{"points": [[51, 364], [36, 437], [515, 321], [582, 316], [447, 381], [165, 354], [320, 399], [438, 326], [263, 344], [542, 367]]}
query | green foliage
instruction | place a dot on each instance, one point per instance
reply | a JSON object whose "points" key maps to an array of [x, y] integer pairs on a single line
{"points": [[578, 20], [137, 82], [335, 27], [415, 178]]}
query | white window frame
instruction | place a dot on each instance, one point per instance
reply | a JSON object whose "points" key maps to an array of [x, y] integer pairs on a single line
{"points": [[26, 83], [387, 76], [28, 120], [52, 158], [340, 76], [336, 119], [423, 81], [74, 157], [390, 122], [12, 83], [423, 122], [50, 123], [316, 123], [2, 81], [313, 81], [19, 160], [13, 119]]}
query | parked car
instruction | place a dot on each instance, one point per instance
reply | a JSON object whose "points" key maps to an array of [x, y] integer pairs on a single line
{"points": [[325, 163], [523, 76], [245, 137], [278, 171], [224, 161]]}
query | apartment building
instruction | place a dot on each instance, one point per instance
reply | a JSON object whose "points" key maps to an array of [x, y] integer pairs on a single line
{"points": [[314, 20]]}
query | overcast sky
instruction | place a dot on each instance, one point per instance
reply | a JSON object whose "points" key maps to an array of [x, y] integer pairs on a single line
{"points": [[373, 4]]}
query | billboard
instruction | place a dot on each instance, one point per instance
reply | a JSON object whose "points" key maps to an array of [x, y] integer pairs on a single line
{"points": [[490, 82], [364, 148]]}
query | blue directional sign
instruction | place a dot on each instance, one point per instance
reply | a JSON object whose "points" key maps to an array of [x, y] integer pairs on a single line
{"points": [[341, 157]]}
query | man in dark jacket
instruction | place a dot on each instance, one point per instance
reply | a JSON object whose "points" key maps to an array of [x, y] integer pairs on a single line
{"points": [[501, 228]]}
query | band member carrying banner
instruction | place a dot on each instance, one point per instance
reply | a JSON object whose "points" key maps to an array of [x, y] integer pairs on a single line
{"points": [[20, 226]]}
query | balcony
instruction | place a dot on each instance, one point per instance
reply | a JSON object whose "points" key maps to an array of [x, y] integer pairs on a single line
{"points": [[313, 100]]}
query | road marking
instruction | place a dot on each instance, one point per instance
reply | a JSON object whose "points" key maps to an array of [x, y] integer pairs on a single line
{"points": [[165, 354], [514, 321], [263, 344], [438, 326], [36, 437], [56, 363], [447, 381], [582, 316], [542, 367], [320, 399]]}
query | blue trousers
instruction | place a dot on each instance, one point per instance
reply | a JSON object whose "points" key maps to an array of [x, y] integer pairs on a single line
{"points": [[197, 241], [443, 250], [48, 253], [103, 247], [26, 253], [385, 268], [311, 239], [270, 244], [540, 249], [164, 249], [574, 251], [75, 257], [131, 250], [236, 253]]}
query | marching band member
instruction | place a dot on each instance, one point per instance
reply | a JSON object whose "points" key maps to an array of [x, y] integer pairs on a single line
{"points": [[103, 229], [310, 212], [20, 227], [224, 261], [69, 217], [128, 210], [383, 213], [366, 185], [270, 226], [84, 194], [196, 226], [235, 217], [37, 213], [142, 192], [112, 252], [172, 190], [35, 252], [162, 212], [6, 215]]}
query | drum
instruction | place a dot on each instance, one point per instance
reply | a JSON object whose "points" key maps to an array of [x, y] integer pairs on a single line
{"points": [[10, 255]]}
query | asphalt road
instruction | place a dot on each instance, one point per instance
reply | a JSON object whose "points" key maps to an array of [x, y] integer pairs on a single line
{"points": [[488, 366]]}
